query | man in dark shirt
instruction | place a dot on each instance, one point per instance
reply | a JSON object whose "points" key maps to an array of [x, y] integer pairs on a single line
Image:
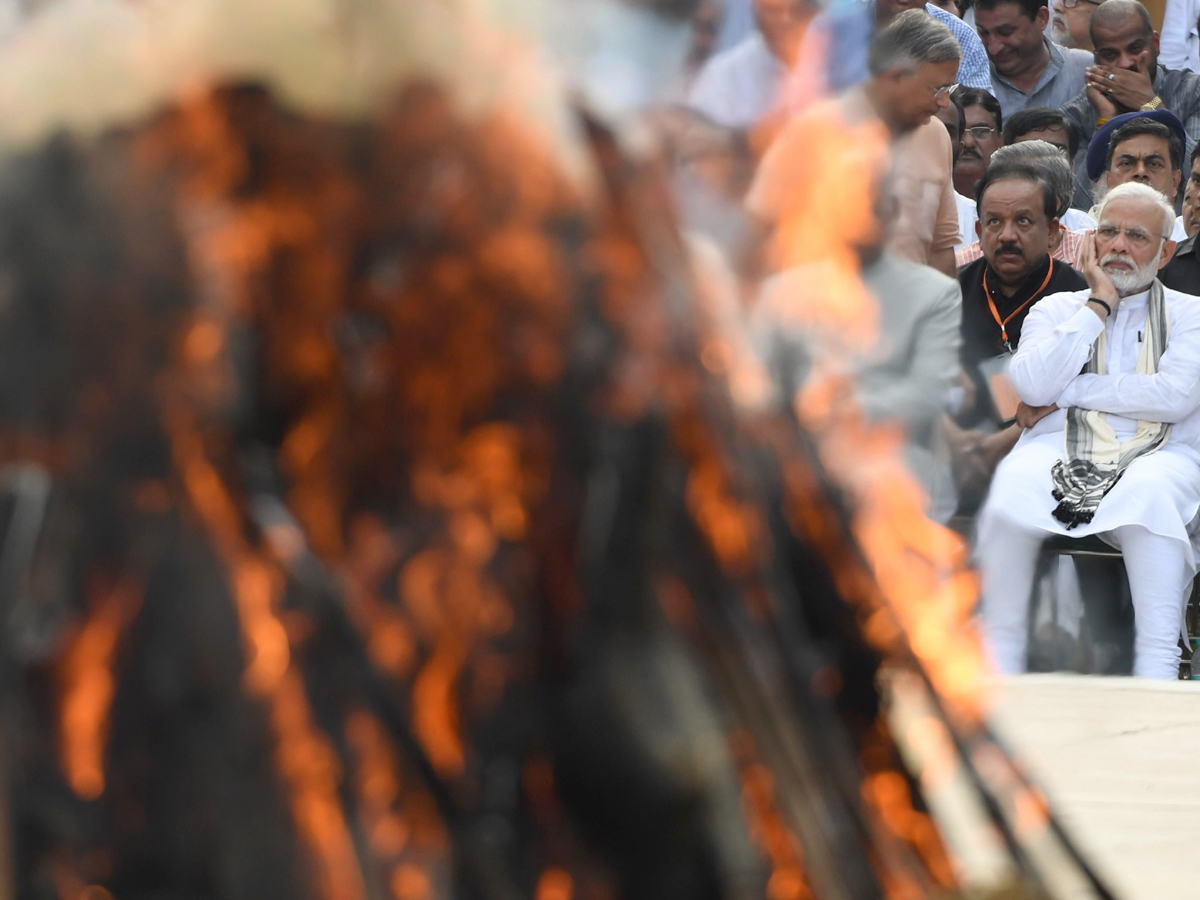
{"points": [[1182, 273], [1017, 216]]}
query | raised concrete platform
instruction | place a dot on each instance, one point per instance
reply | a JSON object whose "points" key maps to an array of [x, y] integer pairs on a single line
{"points": [[1119, 760]]}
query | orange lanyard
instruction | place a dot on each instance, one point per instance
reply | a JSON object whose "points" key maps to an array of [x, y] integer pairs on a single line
{"points": [[996, 315]]}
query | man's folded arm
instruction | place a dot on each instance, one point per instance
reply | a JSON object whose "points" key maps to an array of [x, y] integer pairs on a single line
{"points": [[1055, 344], [1169, 395]]}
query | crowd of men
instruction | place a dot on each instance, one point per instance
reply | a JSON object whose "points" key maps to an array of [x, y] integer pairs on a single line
{"points": [[1033, 254]]}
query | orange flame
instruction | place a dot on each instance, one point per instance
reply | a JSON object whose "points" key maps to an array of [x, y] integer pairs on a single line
{"points": [[926, 591], [88, 686], [307, 762], [767, 827]]}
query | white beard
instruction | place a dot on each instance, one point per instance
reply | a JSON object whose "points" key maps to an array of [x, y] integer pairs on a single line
{"points": [[1129, 281]]}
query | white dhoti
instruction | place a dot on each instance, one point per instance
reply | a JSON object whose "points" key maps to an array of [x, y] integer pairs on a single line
{"points": [[1148, 515]]}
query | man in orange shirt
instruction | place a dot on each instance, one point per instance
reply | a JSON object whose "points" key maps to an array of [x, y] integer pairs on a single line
{"points": [[913, 63]]}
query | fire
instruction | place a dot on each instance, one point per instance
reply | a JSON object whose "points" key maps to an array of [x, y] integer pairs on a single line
{"points": [[767, 826], [85, 672], [307, 762], [421, 527], [926, 590]]}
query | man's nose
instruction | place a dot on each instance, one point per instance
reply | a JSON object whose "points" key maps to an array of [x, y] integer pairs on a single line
{"points": [[1119, 244], [943, 100], [1127, 62], [1008, 234]]}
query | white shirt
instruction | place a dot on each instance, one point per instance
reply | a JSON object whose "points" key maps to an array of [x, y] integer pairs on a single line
{"points": [[1077, 220], [967, 217], [1056, 342], [738, 87], [1179, 47], [1179, 234]]}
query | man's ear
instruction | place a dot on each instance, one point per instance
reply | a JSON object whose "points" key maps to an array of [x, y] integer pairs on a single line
{"points": [[1168, 251], [1178, 176], [978, 229], [1054, 235], [1042, 18], [1154, 37]]}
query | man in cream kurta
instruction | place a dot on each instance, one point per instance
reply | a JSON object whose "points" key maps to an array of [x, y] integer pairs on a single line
{"points": [[1149, 513]]}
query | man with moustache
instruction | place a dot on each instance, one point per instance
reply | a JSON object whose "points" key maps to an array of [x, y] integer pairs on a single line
{"points": [[1018, 216], [1066, 244], [981, 136], [952, 117], [1183, 271], [1143, 147], [1127, 78], [1110, 379], [913, 61]]}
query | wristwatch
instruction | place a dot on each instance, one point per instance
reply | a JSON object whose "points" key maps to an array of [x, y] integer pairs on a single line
{"points": [[1153, 104]]}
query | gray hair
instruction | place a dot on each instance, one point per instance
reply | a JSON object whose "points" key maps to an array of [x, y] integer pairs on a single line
{"points": [[912, 38], [1133, 190], [1047, 159]]}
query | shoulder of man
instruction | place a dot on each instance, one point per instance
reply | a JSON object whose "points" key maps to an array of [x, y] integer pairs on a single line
{"points": [[1081, 113], [1075, 60], [1180, 90], [921, 286], [1066, 278], [1182, 273], [1185, 307], [719, 65], [933, 134], [971, 274]]}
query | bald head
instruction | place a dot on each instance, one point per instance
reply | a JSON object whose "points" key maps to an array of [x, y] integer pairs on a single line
{"points": [[1124, 39], [1120, 15]]}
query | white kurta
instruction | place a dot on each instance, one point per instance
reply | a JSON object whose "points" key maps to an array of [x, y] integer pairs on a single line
{"points": [[968, 215], [1151, 511], [1160, 491]]}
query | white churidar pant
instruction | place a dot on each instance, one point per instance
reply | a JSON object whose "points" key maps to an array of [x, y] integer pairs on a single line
{"points": [[1146, 515]]}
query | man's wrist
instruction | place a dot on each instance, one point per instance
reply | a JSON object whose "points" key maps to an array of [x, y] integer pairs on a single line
{"points": [[1102, 303], [1153, 104]]}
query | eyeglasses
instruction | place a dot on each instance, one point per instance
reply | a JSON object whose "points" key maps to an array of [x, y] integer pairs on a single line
{"points": [[1071, 4], [979, 132], [940, 91], [1138, 238]]}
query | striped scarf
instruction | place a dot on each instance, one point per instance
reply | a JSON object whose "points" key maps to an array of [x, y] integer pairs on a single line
{"points": [[1094, 459]]}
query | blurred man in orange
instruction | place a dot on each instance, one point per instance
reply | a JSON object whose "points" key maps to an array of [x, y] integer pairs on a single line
{"points": [[913, 62]]}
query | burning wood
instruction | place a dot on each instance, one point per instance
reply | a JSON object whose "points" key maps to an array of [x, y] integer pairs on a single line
{"points": [[400, 544]]}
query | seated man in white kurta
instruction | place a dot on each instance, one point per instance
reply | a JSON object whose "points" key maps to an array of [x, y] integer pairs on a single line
{"points": [[1110, 380]]}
